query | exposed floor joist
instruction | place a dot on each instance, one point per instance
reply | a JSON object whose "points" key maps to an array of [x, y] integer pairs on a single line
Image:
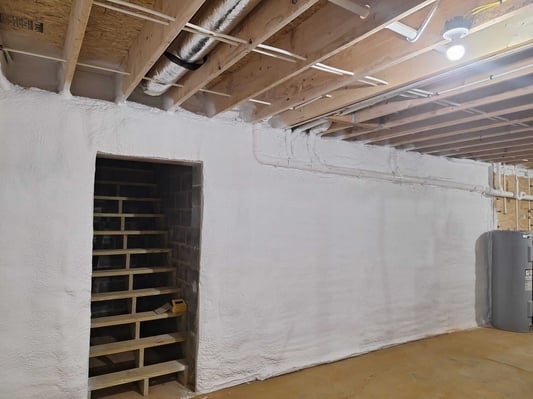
{"points": [[344, 71], [264, 22], [79, 17], [152, 42], [323, 35], [398, 62]]}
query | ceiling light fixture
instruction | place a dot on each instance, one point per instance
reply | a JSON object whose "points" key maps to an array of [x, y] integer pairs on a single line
{"points": [[455, 29]]}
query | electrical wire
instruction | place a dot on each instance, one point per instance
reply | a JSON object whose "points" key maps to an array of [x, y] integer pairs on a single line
{"points": [[487, 6]]}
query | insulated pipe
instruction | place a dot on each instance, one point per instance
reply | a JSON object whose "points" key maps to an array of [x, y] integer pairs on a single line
{"points": [[188, 50], [316, 164]]}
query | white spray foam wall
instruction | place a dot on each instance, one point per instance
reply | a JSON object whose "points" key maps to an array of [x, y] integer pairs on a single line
{"points": [[297, 268]]}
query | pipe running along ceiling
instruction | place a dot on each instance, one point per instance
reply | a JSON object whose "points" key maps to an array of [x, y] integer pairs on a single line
{"points": [[187, 52]]}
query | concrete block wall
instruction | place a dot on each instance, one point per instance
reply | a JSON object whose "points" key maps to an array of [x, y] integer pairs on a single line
{"points": [[297, 267], [181, 193]]}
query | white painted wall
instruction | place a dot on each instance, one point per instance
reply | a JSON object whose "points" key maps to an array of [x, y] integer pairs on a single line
{"points": [[297, 267]]}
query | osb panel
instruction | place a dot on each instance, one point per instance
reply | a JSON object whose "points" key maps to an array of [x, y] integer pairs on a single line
{"points": [[507, 209], [53, 14], [109, 34]]}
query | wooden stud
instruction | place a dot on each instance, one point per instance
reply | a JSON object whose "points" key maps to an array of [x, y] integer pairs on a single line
{"points": [[79, 17], [151, 43]]}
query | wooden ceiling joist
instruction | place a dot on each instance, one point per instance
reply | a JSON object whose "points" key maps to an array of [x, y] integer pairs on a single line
{"points": [[152, 42], [486, 149], [442, 92], [265, 21], [503, 148], [381, 52], [326, 33], [473, 140], [400, 63], [77, 25], [434, 136], [468, 107], [507, 155], [502, 112]]}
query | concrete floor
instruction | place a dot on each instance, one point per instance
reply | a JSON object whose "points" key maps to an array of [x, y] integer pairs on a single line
{"points": [[482, 363]]}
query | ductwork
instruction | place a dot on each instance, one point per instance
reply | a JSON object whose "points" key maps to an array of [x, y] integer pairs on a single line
{"points": [[187, 52]]}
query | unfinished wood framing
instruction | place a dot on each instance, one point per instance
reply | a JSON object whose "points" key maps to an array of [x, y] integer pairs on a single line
{"points": [[323, 35], [264, 22], [152, 42], [510, 213], [79, 17], [326, 63]]}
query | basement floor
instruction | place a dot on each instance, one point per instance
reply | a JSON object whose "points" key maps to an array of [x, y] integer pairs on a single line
{"points": [[481, 363]]}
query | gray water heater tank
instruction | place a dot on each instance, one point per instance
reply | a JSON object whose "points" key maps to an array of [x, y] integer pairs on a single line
{"points": [[511, 291]]}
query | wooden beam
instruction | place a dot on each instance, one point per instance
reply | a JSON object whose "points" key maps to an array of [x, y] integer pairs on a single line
{"points": [[269, 17], [429, 138], [418, 117], [384, 137], [515, 155], [381, 52], [326, 33], [488, 148], [524, 146], [478, 81], [77, 24], [152, 41], [439, 147], [396, 63]]}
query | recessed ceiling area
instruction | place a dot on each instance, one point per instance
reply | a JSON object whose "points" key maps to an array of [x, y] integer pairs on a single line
{"points": [[375, 73]]}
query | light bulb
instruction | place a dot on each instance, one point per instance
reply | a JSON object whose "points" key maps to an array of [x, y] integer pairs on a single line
{"points": [[455, 52]]}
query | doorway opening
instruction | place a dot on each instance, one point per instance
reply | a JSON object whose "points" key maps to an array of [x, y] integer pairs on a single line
{"points": [[145, 272]]}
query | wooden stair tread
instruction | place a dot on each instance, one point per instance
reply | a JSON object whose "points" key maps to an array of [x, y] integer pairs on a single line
{"points": [[123, 198], [125, 183], [107, 296], [137, 374], [128, 232], [131, 251], [133, 270], [129, 215], [134, 344], [131, 318]]}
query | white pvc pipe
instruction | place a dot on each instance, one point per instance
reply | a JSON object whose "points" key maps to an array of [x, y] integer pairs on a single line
{"points": [[403, 29], [323, 167], [362, 11]]}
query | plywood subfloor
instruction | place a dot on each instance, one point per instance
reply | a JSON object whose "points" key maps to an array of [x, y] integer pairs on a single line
{"points": [[482, 363]]}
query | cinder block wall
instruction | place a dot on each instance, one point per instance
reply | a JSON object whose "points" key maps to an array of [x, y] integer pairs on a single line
{"points": [[181, 192]]}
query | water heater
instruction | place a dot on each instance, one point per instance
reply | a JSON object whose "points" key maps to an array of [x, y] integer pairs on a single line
{"points": [[511, 280]]}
